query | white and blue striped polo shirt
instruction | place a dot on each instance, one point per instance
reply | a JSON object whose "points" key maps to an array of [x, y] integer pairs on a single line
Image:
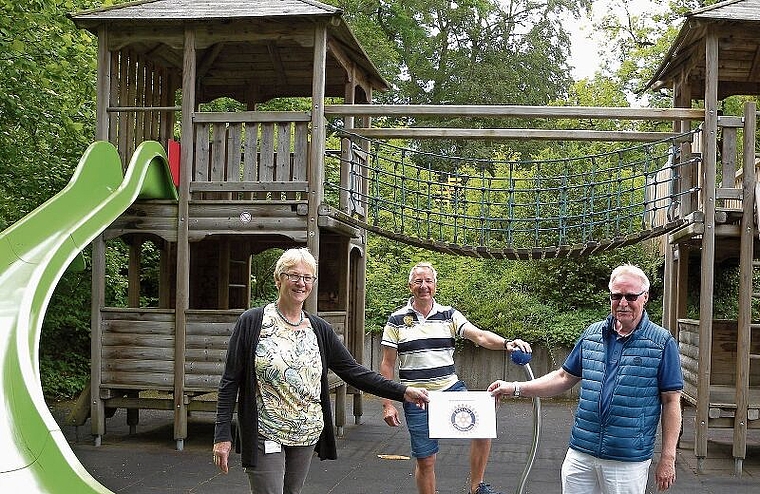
{"points": [[425, 345]]}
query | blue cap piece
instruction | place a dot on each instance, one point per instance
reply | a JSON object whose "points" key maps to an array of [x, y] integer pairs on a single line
{"points": [[521, 358]]}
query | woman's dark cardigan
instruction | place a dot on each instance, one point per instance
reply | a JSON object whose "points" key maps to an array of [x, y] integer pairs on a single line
{"points": [[239, 380]]}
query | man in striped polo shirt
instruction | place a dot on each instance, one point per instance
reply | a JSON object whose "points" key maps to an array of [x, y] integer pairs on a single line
{"points": [[420, 337]]}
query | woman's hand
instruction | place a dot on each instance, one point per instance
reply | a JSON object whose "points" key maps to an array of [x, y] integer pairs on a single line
{"points": [[418, 396], [390, 414], [222, 455]]}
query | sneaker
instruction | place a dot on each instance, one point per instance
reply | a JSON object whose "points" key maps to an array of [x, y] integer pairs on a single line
{"points": [[484, 488]]}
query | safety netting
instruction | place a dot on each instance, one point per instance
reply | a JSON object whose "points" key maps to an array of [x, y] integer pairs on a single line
{"points": [[512, 208]]}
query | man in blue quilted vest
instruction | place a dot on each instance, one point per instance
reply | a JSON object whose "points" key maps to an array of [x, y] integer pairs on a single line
{"points": [[630, 374]]}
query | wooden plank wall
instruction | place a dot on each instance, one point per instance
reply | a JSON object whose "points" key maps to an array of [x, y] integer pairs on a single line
{"points": [[136, 86], [723, 359], [137, 349], [337, 320], [208, 334]]}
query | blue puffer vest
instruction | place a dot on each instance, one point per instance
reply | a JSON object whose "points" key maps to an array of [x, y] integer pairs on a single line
{"points": [[629, 429]]}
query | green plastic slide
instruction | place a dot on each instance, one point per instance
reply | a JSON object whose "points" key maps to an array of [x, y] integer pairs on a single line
{"points": [[34, 254]]}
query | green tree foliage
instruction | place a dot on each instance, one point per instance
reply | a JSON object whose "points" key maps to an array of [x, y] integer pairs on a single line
{"points": [[449, 52], [65, 340], [637, 42], [471, 52], [263, 289], [47, 101]]}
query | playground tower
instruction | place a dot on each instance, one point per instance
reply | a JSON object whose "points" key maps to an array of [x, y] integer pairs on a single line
{"points": [[248, 181], [716, 55]]}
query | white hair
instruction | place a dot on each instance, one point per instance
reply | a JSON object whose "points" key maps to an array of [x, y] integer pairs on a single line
{"points": [[630, 269], [423, 265]]}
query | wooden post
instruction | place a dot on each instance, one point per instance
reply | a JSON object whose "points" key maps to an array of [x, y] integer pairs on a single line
{"points": [[97, 408], [682, 281], [316, 156], [183, 244], [104, 85], [356, 310], [679, 278], [165, 276], [345, 148], [133, 274], [746, 288], [709, 153], [682, 98], [223, 273], [133, 300]]}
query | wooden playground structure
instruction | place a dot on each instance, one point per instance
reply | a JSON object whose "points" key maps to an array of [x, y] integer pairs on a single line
{"points": [[252, 180]]}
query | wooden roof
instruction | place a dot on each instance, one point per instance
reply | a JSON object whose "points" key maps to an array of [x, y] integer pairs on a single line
{"points": [[209, 9], [248, 50], [737, 24]]}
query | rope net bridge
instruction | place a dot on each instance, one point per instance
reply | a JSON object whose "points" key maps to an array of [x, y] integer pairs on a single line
{"points": [[511, 209]]}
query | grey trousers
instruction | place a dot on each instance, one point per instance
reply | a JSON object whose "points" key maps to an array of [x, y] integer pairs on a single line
{"points": [[283, 472]]}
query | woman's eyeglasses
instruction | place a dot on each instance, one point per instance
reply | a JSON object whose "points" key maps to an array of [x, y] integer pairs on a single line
{"points": [[630, 297], [307, 278]]}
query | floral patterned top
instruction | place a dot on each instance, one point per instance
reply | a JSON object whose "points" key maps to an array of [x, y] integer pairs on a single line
{"points": [[288, 368]]}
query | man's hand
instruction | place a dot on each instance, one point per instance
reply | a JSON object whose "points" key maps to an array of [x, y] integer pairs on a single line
{"points": [[512, 345], [501, 388], [665, 473], [222, 455]]}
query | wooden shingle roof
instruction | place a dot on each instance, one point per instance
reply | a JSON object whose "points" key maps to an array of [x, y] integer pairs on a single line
{"points": [[248, 50], [158, 10], [737, 24]]}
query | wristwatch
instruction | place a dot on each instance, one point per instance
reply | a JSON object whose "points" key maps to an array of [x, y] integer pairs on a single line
{"points": [[516, 392]]}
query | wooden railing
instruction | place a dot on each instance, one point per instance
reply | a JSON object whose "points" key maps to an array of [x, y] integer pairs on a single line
{"points": [[250, 156]]}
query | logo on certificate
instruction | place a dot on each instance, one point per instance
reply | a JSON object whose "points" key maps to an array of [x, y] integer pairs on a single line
{"points": [[464, 418], [461, 414]]}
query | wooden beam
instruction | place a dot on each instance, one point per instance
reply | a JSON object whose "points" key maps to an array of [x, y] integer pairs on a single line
{"points": [[519, 111], [208, 59], [746, 285], [103, 86], [279, 68], [207, 35], [252, 116], [513, 134], [97, 408], [754, 71]]}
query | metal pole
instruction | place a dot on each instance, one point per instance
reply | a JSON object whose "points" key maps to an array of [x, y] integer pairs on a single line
{"points": [[521, 358]]}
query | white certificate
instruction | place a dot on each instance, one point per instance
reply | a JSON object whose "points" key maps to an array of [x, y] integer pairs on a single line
{"points": [[462, 414]]}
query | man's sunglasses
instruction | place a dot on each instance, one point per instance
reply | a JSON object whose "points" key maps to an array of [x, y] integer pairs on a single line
{"points": [[630, 297]]}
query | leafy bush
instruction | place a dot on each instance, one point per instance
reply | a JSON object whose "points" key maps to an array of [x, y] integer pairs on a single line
{"points": [[65, 376], [65, 340], [548, 302]]}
